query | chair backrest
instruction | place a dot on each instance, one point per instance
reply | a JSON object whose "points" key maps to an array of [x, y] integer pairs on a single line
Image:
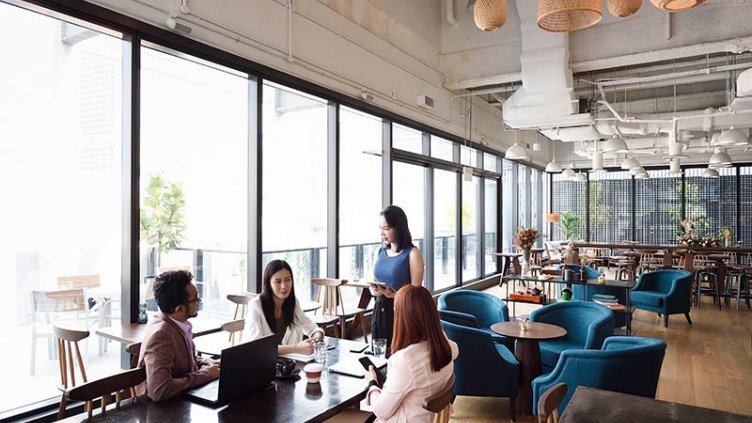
{"points": [[486, 308], [121, 384], [330, 296], [548, 403], [67, 345], [441, 402], [134, 350], [626, 364], [235, 329], [241, 304], [78, 282], [588, 324]]}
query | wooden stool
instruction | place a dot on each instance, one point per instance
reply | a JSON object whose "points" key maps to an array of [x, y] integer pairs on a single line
{"points": [[66, 336]]}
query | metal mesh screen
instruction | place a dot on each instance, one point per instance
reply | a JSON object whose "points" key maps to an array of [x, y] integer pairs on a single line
{"points": [[568, 196], [710, 202], [657, 208], [610, 206]]}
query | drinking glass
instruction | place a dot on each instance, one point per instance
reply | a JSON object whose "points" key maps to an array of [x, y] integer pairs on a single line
{"points": [[320, 352], [379, 347]]}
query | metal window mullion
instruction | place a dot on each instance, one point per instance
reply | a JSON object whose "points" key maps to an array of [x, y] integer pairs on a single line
{"points": [[587, 208], [428, 236], [255, 186], [480, 194], [386, 163], [458, 244], [332, 183], [499, 217]]}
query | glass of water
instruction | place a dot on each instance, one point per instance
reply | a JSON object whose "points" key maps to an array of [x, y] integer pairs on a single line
{"points": [[320, 352], [378, 346]]}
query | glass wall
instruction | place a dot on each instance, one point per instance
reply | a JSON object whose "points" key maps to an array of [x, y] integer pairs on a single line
{"points": [[491, 205], [409, 193], [445, 228], [710, 202], [194, 168], [442, 149], [658, 203], [61, 132], [744, 235], [295, 183], [470, 229], [610, 206], [408, 139], [360, 154], [569, 202]]}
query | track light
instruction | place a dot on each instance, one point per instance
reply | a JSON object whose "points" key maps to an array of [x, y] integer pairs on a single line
{"points": [[177, 26]]}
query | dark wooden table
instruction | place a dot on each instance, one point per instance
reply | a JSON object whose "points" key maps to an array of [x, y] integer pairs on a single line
{"points": [[527, 351], [510, 260], [288, 401], [589, 405]]}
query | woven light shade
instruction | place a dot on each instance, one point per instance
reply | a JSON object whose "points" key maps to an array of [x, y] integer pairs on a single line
{"points": [[568, 15], [490, 15], [673, 5], [624, 8]]}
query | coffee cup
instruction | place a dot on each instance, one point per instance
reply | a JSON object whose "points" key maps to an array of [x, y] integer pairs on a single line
{"points": [[313, 372], [285, 366]]}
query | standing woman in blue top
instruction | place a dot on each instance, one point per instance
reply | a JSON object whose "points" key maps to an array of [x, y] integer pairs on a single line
{"points": [[399, 263]]}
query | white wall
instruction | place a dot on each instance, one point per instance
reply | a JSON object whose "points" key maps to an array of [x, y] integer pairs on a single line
{"points": [[347, 46]]}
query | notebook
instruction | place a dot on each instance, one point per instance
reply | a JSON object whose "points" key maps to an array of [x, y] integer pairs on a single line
{"points": [[245, 368]]}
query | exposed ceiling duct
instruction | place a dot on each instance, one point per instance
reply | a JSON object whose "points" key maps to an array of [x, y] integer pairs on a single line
{"points": [[546, 98]]}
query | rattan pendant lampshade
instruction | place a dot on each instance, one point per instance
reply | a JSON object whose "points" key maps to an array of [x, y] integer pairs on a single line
{"points": [[674, 5], [624, 8], [568, 15], [490, 15]]}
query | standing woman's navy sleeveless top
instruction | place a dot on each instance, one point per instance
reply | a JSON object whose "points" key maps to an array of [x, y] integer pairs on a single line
{"points": [[393, 271]]}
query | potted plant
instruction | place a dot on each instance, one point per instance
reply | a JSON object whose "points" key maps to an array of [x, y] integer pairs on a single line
{"points": [[569, 224], [162, 224]]}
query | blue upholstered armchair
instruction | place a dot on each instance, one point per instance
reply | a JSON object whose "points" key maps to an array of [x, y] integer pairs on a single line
{"points": [[666, 291], [578, 292], [483, 368], [588, 325], [475, 309], [627, 364]]}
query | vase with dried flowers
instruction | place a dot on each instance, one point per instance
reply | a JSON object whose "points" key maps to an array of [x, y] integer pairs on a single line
{"points": [[524, 240]]}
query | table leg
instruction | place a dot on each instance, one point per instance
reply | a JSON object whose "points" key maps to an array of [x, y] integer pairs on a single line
{"points": [[527, 352], [629, 313]]}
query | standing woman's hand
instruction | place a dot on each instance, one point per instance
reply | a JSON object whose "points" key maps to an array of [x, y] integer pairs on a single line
{"points": [[388, 292]]}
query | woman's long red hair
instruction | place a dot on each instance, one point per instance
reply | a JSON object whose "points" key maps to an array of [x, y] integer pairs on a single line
{"points": [[416, 319]]}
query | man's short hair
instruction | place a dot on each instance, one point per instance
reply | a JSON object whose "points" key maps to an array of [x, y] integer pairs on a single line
{"points": [[169, 289]]}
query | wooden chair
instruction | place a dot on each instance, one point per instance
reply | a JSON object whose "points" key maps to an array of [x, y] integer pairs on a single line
{"points": [[241, 309], [121, 386], [67, 341], [102, 308], [235, 328], [333, 307], [50, 306], [441, 403], [548, 403], [78, 282], [134, 350]]}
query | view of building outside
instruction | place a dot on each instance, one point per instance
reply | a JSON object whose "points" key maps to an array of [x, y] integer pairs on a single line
{"points": [[60, 166]]}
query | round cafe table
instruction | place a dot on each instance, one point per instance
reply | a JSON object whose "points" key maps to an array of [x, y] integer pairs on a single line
{"points": [[527, 352]]}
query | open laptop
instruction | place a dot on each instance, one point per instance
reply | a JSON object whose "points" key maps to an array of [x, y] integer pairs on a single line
{"points": [[244, 368]]}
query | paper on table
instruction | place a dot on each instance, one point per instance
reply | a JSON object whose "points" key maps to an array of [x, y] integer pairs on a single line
{"points": [[305, 358]]}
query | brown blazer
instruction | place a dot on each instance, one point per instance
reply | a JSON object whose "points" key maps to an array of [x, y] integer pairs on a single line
{"points": [[167, 354]]}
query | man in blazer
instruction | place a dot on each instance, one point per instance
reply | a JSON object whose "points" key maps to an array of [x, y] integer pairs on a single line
{"points": [[167, 351]]}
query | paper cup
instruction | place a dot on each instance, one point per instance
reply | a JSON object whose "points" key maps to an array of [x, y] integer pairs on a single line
{"points": [[313, 372]]}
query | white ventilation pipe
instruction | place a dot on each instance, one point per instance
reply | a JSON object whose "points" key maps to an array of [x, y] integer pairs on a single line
{"points": [[451, 19]]}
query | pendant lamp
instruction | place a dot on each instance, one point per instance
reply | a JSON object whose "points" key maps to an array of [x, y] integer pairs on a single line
{"points": [[490, 15], [568, 172], [733, 136], [624, 8], [675, 5], [710, 173], [568, 15], [615, 145], [553, 166]]}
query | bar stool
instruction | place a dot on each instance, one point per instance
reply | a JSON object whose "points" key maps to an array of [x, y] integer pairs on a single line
{"points": [[705, 270], [740, 274]]}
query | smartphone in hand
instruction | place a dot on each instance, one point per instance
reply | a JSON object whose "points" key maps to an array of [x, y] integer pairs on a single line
{"points": [[366, 362]]}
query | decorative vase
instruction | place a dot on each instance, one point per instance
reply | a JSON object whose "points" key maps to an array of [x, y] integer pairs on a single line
{"points": [[526, 261]]}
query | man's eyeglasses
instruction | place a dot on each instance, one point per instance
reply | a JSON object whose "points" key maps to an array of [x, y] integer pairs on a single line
{"points": [[197, 300]]}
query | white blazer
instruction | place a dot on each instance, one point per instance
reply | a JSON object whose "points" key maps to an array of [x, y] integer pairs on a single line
{"points": [[256, 326], [409, 381]]}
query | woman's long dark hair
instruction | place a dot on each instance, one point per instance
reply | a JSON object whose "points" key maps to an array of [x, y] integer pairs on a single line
{"points": [[267, 296], [396, 218], [416, 319]]}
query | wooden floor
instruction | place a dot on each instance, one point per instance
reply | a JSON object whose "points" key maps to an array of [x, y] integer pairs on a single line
{"points": [[707, 364]]}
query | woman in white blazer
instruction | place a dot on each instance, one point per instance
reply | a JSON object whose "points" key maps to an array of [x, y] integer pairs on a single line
{"points": [[277, 312], [421, 361]]}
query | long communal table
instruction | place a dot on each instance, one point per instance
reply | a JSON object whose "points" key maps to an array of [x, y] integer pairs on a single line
{"points": [[285, 401]]}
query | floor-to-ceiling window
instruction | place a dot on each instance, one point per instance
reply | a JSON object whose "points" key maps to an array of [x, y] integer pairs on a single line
{"points": [[710, 202], [745, 206], [194, 173], [294, 203], [360, 157], [61, 128], [409, 193], [610, 211], [509, 193], [658, 208], [470, 228], [491, 205], [569, 201], [445, 228]]}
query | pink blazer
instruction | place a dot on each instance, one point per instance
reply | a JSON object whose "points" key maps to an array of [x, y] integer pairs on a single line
{"points": [[169, 357]]}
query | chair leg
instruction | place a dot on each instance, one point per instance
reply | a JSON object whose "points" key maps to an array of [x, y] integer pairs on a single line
{"points": [[688, 319], [512, 409], [363, 327], [61, 410], [665, 320]]}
